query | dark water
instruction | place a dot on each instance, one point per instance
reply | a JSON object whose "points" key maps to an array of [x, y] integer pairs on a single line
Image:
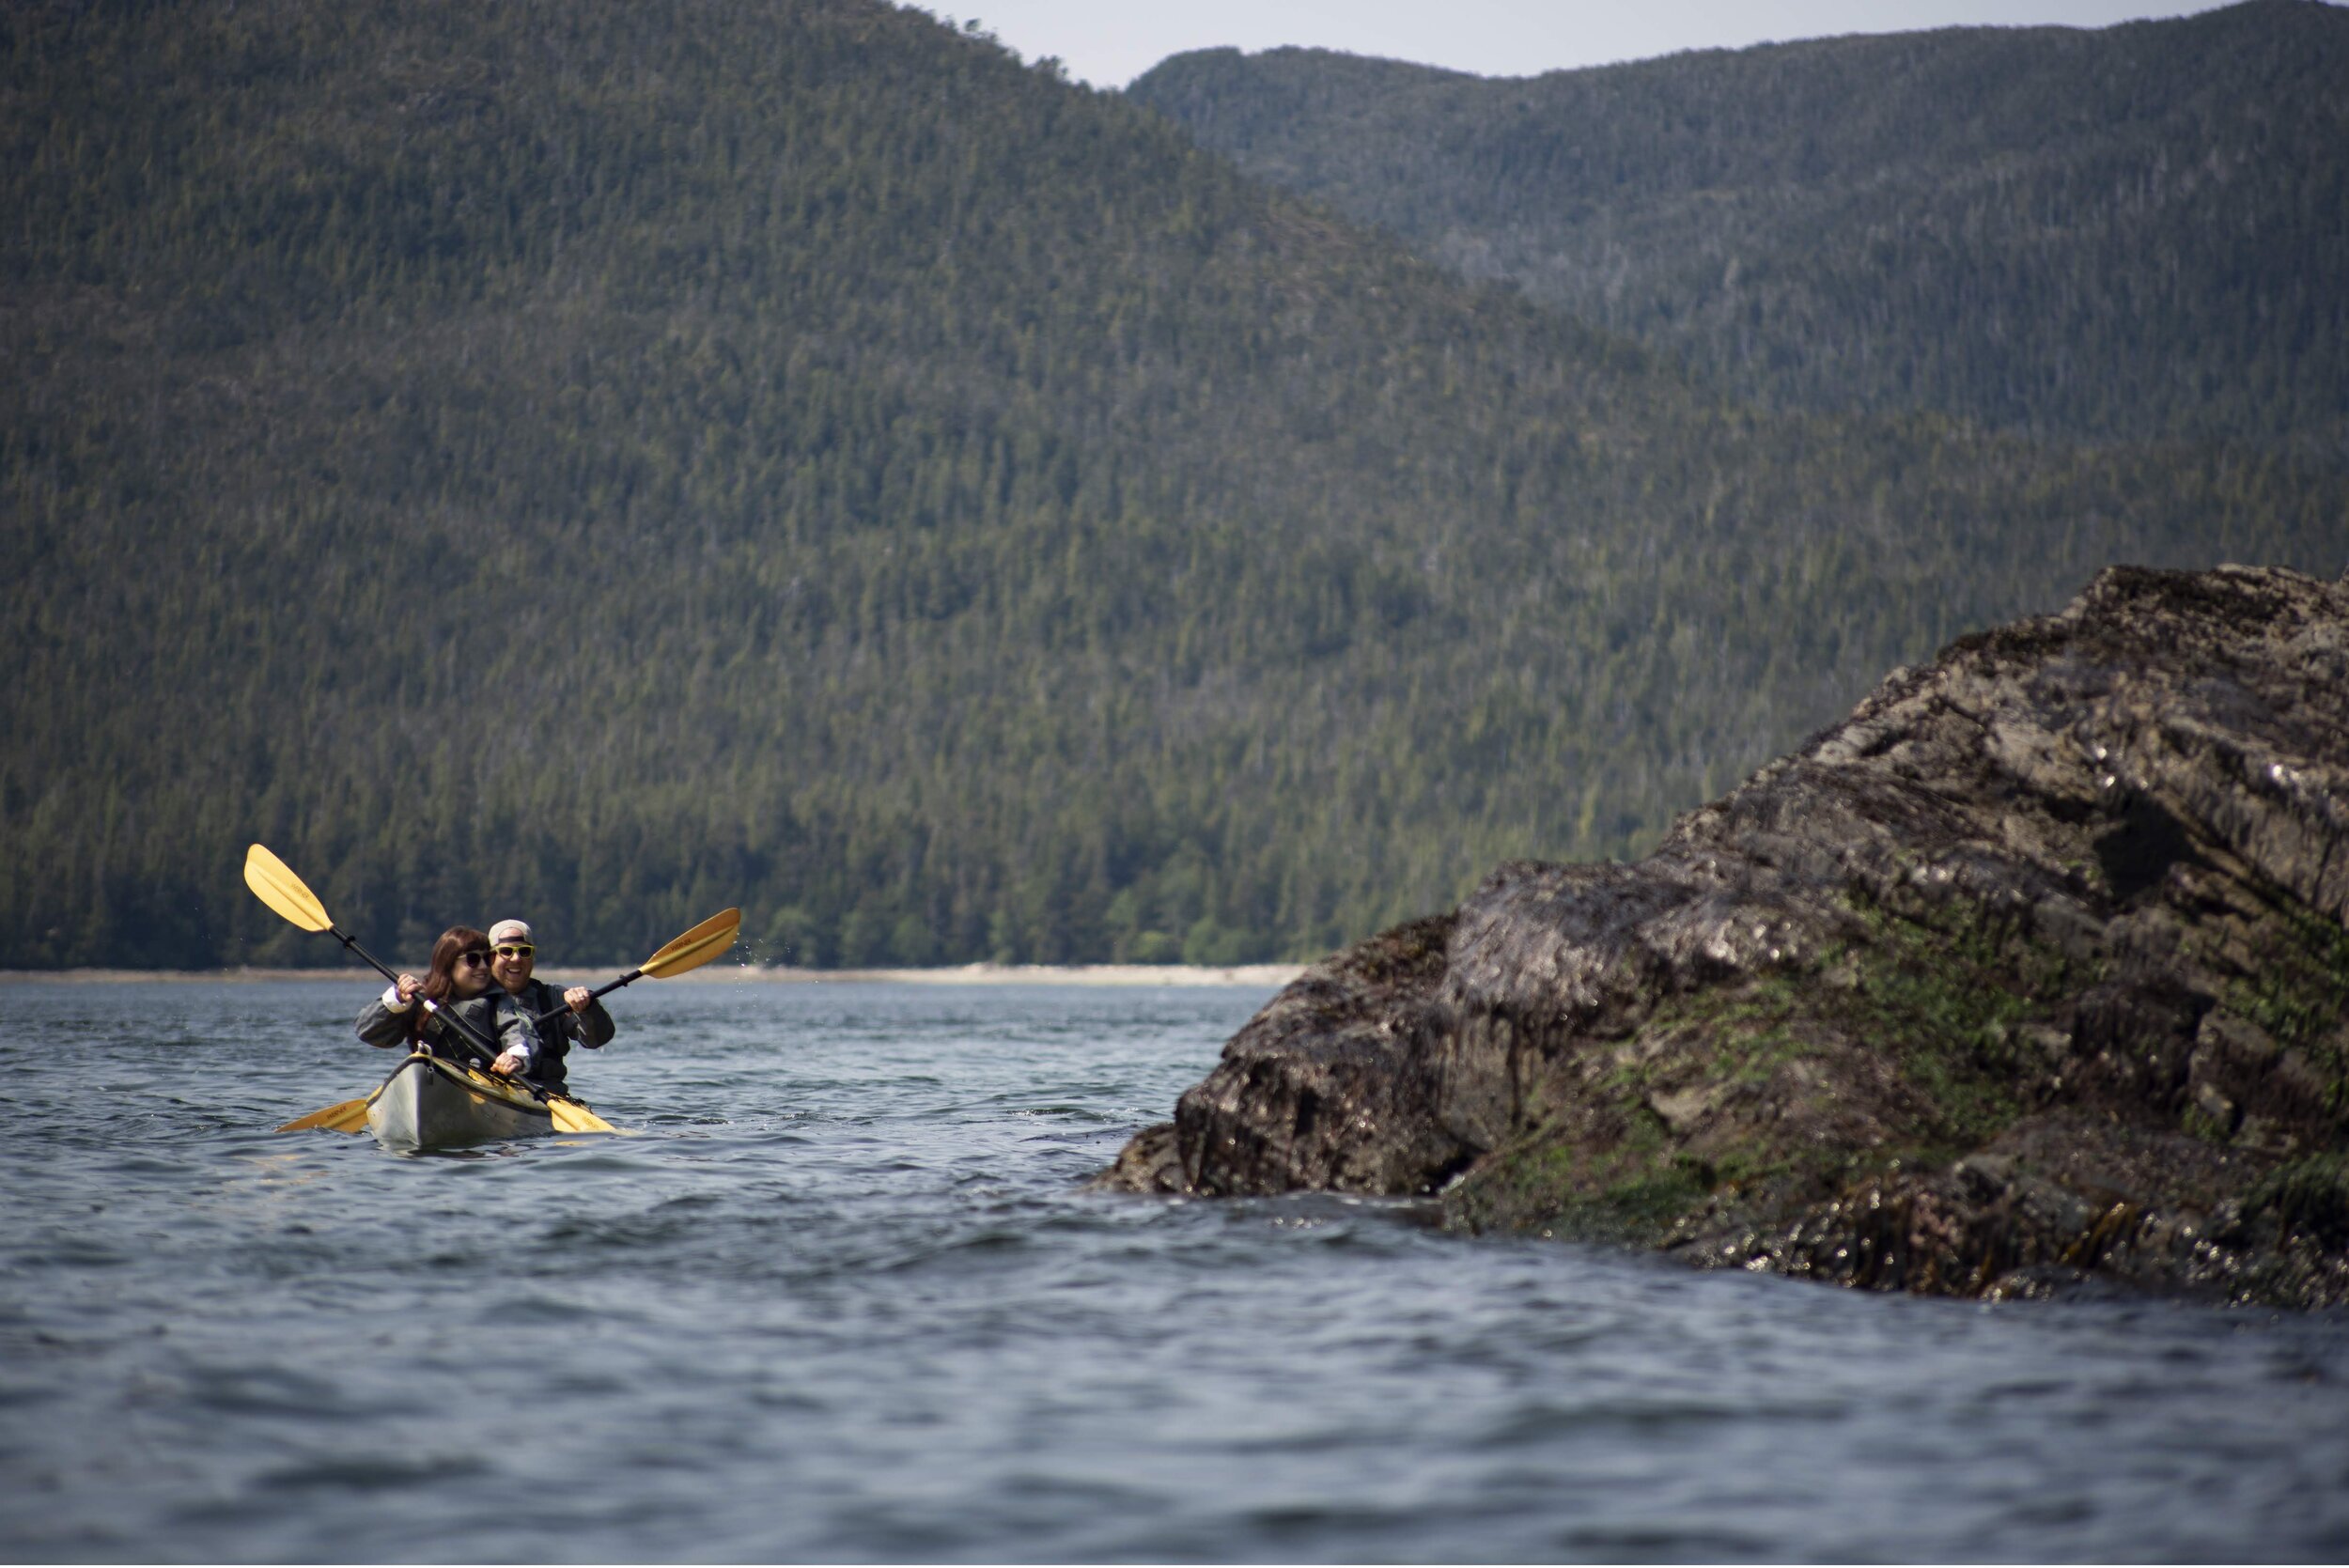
{"points": [[839, 1300]]}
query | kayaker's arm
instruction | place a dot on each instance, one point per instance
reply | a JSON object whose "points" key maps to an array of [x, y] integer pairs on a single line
{"points": [[591, 1025], [383, 1022]]}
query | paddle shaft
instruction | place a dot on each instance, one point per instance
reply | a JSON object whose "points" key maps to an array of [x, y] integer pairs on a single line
{"points": [[599, 991]]}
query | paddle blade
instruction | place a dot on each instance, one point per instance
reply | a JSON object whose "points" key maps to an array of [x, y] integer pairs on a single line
{"points": [[274, 884], [349, 1116], [571, 1116], [696, 947]]}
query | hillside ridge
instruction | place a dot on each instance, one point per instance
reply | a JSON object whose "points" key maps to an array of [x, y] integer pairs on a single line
{"points": [[611, 463], [2133, 232]]}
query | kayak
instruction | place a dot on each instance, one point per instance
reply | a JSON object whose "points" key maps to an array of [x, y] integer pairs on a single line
{"points": [[429, 1103], [432, 1104]]}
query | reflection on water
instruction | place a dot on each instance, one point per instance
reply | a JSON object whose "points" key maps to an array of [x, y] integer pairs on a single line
{"points": [[840, 1297]]}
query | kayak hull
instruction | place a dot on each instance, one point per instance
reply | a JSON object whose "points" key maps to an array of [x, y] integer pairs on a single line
{"points": [[430, 1104]]}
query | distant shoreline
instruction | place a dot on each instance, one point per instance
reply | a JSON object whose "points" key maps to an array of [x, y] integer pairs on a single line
{"points": [[1267, 976]]}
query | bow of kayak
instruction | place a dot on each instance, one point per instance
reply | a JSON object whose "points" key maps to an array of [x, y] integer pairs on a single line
{"points": [[432, 1104]]}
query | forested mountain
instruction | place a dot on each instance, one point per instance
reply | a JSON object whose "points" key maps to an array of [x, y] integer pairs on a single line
{"points": [[2138, 232], [608, 459]]}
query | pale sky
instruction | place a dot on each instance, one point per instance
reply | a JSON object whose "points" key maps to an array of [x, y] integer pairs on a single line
{"points": [[1110, 42]]}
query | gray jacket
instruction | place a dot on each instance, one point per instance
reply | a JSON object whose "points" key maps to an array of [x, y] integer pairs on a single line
{"points": [[383, 1027], [503, 1017]]}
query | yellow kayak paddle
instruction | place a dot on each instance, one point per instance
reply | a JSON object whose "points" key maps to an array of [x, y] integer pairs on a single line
{"points": [[274, 883], [690, 951], [349, 1116]]}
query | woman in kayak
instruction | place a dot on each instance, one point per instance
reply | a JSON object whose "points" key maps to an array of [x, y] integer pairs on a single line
{"points": [[526, 1048], [460, 972]]}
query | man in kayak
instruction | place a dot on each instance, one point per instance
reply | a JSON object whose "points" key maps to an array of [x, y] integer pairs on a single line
{"points": [[508, 1008]]}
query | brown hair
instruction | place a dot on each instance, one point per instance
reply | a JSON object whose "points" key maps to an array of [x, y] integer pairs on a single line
{"points": [[441, 983]]}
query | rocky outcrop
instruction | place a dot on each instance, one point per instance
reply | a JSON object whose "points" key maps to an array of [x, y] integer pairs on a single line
{"points": [[2036, 968]]}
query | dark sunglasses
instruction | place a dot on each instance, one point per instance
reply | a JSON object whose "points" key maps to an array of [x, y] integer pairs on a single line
{"points": [[472, 955], [515, 949]]}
